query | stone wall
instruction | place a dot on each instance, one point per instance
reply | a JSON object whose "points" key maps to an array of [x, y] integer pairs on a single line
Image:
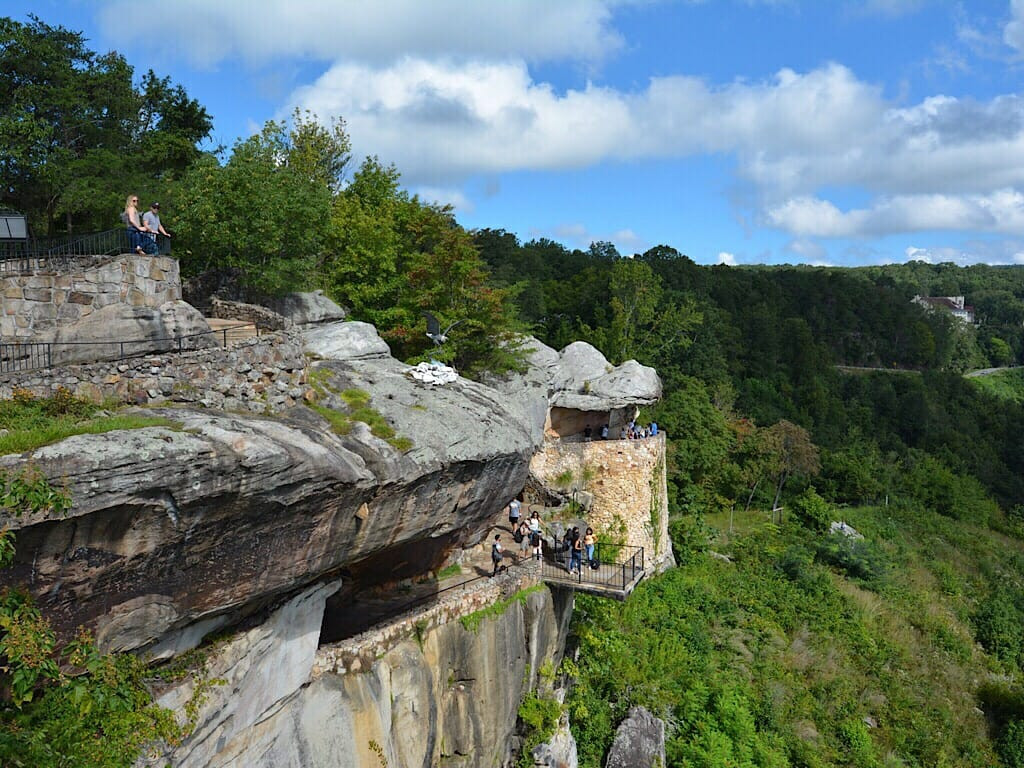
{"points": [[34, 305], [265, 373], [262, 317], [630, 497]]}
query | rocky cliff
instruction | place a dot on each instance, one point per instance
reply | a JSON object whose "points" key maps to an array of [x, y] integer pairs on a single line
{"points": [[256, 536]]}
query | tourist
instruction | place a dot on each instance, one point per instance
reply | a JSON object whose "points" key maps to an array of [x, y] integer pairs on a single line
{"points": [[587, 433], [535, 536], [496, 553], [137, 231], [152, 221], [523, 537], [589, 541], [566, 546], [604, 432], [576, 563], [654, 429], [513, 514], [623, 433]]}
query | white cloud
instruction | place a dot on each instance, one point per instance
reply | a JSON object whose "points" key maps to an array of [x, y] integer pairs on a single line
{"points": [[999, 211], [941, 163], [726, 258], [577, 235], [446, 196], [329, 30], [809, 251], [1013, 32]]}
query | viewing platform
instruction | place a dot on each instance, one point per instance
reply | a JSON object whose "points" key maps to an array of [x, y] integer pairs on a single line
{"points": [[619, 569]]}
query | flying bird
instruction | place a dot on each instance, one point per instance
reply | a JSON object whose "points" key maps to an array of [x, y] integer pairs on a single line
{"points": [[434, 332]]}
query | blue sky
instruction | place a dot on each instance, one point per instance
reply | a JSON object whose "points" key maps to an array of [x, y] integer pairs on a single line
{"points": [[839, 132]]}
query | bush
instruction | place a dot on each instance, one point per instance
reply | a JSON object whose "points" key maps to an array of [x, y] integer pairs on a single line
{"points": [[812, 511], [1011, 744], [858, 558], [998, 625]]}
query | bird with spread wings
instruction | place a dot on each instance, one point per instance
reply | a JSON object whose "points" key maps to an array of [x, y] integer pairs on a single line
{"points": [[434, 332]]}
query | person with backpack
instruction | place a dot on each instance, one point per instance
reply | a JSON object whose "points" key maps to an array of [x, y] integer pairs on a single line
{"points": [[497, 552], [522, 536], [535, 536], [576, 562]]}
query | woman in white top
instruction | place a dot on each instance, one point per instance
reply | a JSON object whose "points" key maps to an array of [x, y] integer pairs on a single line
{"points": [[535, 538]]}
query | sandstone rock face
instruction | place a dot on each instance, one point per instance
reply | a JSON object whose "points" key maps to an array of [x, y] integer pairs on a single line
{"points": [[174, 530], [639, 742], [310, 308], [448, 700], [119, 330]]}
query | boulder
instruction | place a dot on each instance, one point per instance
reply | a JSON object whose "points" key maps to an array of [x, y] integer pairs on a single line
{"points": [[639, 742], [119, 330], [579, 378], [309, 308], [345, 341], [560, 750]]}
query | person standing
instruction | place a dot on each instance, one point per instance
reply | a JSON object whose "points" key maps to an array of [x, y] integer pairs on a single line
{"points": [[497, 552], [576, 563], [513, 513], [152, 221], [589, 540], [535, 538], [523, 538]]}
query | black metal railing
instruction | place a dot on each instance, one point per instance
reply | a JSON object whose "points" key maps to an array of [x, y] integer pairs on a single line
{"points": [[59, 252], [614, 566], [33, 355]]}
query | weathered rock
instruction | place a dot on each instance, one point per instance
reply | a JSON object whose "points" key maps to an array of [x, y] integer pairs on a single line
{"points": [[579, 378], [451, 699], [560, 750], [119, 330], [173, 527], [345, 341], [639, 742], [309, 308]]}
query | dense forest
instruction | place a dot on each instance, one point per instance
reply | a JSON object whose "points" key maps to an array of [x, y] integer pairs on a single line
{"points": [[794, 397]]}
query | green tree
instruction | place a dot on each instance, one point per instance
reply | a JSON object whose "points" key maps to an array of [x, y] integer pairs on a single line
{"points": [[264, 212], [77, 134]]}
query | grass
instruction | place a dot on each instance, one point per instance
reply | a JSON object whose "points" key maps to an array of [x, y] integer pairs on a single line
{"points": [[452, 570], [33, 422], [1006, 385], [472, 621], [357, 401]]}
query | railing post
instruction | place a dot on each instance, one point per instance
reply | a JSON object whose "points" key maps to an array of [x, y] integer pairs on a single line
{"points": [[225, 332], [49, 363], [120, 345]]}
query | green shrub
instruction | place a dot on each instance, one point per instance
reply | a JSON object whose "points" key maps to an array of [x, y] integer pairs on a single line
{"points": [[858, 558], [812, 511], [999, 625], [1010, 744], [539, 718]]}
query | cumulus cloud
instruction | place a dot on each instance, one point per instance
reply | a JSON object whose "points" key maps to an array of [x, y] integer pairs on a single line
{"points": [[941, 163], [726, 258], [578, 235], [999, 211], [1013, 32], [328, 30]]}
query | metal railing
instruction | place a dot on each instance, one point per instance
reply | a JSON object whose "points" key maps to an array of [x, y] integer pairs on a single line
{"points": [[59, 252], [34, 355], [617, 566]]}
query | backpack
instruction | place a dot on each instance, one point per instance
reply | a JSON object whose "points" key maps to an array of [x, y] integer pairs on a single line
{"points": [[518, 536]]}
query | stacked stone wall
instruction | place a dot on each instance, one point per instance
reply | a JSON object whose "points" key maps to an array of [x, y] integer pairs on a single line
{"points": [[250, 313], [358, 653], [35, 304], [260, 374], [628, 485]]}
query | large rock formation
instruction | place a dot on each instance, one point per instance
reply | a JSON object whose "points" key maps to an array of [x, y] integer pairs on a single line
{"points": [[121, 330], [177, 529], [449, 698]]}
